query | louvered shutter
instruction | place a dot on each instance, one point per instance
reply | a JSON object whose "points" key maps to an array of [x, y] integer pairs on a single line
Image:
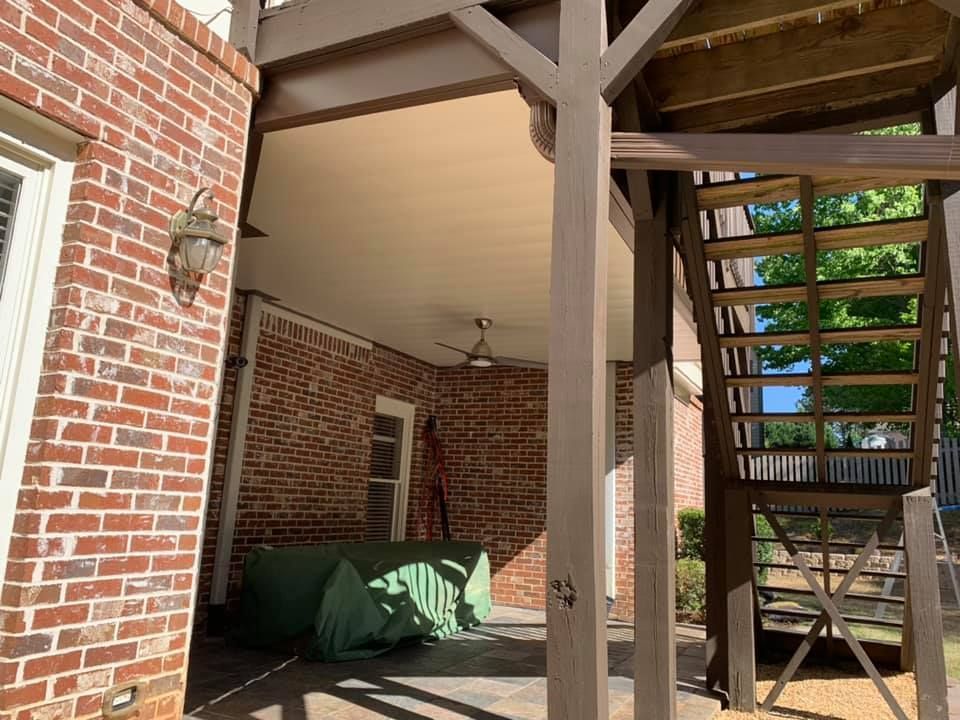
{"points": [[9, 191], [384, 487]]}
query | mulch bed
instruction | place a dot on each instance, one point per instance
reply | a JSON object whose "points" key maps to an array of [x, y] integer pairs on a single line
{"points": [[821, 693]]}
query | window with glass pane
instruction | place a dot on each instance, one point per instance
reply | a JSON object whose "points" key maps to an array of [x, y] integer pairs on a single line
{"points": [[384, 488], [9, 191]]}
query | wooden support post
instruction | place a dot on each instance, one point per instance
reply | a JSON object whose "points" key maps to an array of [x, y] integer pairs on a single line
{"points": [[741, 673], [714, 550], [945, 119], [931, 314], [244, 22], [655, 660], [254, 148], [576, 615], [924, 596]]}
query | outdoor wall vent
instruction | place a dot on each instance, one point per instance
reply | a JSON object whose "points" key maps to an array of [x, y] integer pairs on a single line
{"points": [[123, 701]]}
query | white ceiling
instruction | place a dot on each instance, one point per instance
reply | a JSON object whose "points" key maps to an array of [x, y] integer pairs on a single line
{"points": [[404, 226]]}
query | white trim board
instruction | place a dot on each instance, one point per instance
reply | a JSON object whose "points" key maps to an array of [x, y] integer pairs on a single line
{"points": [[407, 413], [28, 294]]}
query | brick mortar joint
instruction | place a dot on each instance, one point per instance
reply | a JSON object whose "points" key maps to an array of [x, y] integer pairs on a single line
{"points": [[150, 7]]}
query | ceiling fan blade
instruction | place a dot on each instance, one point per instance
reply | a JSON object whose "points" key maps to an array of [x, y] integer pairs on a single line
{"points": [[451, 347], [520, 363]]}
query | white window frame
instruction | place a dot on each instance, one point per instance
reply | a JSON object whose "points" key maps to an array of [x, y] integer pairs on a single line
{"points": [[41, 153], [407, 413]]}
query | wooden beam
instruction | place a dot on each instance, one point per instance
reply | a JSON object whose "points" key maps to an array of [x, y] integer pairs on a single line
{"points": [[813, 321], [504, 44], [842, 336], [244, 21], [251, 164], [778, 188], [926, 626], [945, 116], [706, 325], [439, 66], [711, 18], [800, 417], [742, 669], [714, 549], [638, 42], [297, 31], [576, 606], [828, 289], [928, 351], [833, 380], [655, 659], [919, 157], [861, 98], [875, 41], [951, 6], [870, 234]]}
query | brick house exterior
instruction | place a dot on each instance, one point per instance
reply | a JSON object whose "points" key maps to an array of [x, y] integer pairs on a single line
{"points": [[304, 476], [116, 503], [103, 558]]}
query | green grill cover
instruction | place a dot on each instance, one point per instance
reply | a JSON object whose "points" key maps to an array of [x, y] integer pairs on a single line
{"points": [[362, 599]]}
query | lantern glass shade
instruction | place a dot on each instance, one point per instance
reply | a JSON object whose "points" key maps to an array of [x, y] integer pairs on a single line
{"points": [[200, 254]]}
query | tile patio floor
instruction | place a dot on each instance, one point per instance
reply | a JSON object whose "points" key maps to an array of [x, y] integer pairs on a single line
{"points": [[493, 672]]}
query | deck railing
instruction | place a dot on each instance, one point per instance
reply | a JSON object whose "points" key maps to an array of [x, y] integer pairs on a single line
{"points": [[864, 470]]}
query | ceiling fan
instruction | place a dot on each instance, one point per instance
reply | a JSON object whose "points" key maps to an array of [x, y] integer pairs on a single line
{"points": [[481, 355]]}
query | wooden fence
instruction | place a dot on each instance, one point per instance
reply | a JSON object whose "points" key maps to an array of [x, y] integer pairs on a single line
{"points": [[860, 470]]}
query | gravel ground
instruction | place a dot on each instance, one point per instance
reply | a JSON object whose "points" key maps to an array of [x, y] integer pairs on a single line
{"points": [[817, 693]]}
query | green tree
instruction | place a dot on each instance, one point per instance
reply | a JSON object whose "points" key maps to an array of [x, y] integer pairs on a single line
{"points": [[886, 260]]}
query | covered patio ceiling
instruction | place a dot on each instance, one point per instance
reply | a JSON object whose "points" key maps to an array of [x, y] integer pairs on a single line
{"points": [[403, 226]]}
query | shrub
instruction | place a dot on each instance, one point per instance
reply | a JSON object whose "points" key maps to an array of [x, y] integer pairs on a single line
{"points": [[691, 522], [764, 549], [691, 590]]}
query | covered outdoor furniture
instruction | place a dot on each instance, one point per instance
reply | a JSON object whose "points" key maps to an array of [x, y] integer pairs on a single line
{"points": [[359, 600]]}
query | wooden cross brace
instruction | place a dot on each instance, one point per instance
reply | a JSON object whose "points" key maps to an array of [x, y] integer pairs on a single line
{"points": [[620, 63], [831, 608]]}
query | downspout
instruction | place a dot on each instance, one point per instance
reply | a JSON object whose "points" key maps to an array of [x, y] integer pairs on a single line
{"points": [[230, 494]]}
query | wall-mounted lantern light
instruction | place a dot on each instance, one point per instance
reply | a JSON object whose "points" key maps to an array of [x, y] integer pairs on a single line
{"points": [[195, 237]]}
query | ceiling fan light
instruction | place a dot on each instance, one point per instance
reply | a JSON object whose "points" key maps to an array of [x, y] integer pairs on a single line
{"points": [[481, 362]]}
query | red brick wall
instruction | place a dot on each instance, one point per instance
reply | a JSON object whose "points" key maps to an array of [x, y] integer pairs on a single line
{"points": [[687, 473], [307, 453], [304, 478], [103, 558], [493, 424], [688, 453]]}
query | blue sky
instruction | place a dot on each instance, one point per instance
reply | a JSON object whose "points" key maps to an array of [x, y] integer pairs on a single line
{"points": [[778, 399]]}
